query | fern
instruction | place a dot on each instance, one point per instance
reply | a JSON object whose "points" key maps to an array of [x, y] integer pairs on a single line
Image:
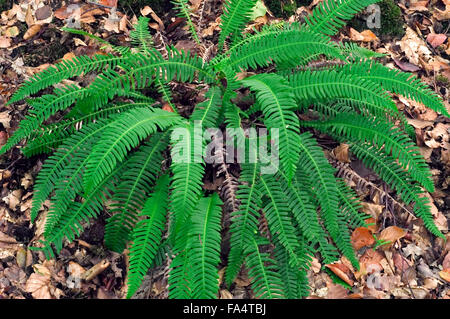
{"points": [[129, 198], [235, 16], [331, 15], [115, 145], [147, 234]]}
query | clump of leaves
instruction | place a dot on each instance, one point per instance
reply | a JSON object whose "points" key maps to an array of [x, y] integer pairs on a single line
{"points": [[105, 150]]}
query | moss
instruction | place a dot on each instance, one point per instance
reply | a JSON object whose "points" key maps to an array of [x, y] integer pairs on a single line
{"points": [[285, 8], [161, 7], [391, 20], [5, 5], [442, 79]]}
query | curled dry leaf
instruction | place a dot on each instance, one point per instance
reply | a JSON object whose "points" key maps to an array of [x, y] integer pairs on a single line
{"points": [[391, 235], [362, 237], [95, 270], [341, 271], [341, 153], [32, 31]]}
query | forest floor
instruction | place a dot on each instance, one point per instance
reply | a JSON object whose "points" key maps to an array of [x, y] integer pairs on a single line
{"points": [[414, 265]]}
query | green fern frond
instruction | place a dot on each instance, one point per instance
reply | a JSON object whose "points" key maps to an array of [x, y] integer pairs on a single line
{"points": [[130, 195], [244, 222], [359, 128], [188, 169], [70, 221], [204, 248], [351, 206], [236, 14], [69, 183], [184, 11], [326, 86], [206, 113], [331, 15], [147, 234], [396, 81], [290, 45], [140, 36], [321, 175], [50, 136], [140, 71], [65, 69], [42, 109], [265, 278], [55, 164], [278, 104], [393, 174], [277, 213], [125, 133]]}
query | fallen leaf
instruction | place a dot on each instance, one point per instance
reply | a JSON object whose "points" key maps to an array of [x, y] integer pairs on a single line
{"points": [[341, 271], [445, 274], [43, 13], [401, 263], [3, 138], [406, 66], [391, 234], [32, 31], [167, 107], [362, 237], [446, 262], [5, 42], [369, 36], [373, 210], [341, 153], [436, 39], [336, 291]]}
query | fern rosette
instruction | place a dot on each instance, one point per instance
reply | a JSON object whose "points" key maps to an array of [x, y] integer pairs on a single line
{"points": [[150, 164]]}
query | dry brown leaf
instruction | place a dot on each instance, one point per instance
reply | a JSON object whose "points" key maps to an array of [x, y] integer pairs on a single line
{"points": [[369, 36], [149, 11], [415, 49], [420, 124], [392, 234], [39, 284], [445, 274], [446, 262], [355, 35], [341, 271], [400, 262], [32, 31], [362, 237], [442, 14], [3, 138], [5, 42], [29, 19], [315, 265], [225, 294], [373, 210], [336, 291], [436, 39], [341, 153]]}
